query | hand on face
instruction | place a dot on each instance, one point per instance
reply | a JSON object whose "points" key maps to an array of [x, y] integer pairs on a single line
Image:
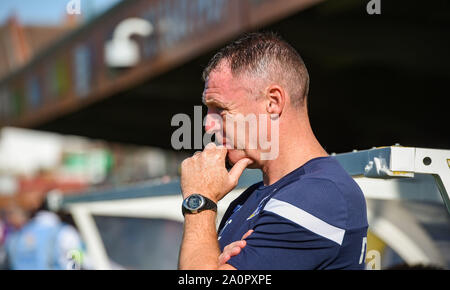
{"points": [[205, 173]]}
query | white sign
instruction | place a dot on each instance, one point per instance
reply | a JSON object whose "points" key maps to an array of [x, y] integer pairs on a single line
{"points": [[73, 7], [121, 51]]}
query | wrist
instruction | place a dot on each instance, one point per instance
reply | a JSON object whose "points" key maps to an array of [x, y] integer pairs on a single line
{"points": [[196, 203], [186, 194], [206, 214]]}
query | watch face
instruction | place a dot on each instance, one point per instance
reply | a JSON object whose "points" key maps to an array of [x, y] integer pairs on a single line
{"points": [[194, 201]]}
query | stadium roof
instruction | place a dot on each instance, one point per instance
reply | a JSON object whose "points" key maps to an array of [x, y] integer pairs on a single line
{"points": [[368, 72]]}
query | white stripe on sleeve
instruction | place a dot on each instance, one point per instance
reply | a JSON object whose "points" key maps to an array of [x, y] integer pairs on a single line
{"points": [[305, 219]]}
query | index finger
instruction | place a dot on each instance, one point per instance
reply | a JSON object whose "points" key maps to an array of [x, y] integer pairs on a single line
{"points": [[210, 146], [216, 148], [247, 234]]}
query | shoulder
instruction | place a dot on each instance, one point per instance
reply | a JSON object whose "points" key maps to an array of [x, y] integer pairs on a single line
{"points": [[68, 237], [319, 197], [11, 238], [314, 205]]}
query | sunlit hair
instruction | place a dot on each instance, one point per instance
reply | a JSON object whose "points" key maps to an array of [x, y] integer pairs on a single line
{"points": [[266, 56]]}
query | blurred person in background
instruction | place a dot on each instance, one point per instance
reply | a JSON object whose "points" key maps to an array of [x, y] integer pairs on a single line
{"points": [[15, 217], [44, 242], [2, 241]]}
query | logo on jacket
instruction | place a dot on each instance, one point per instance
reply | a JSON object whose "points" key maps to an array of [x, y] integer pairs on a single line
{"points": [[258, 208]]}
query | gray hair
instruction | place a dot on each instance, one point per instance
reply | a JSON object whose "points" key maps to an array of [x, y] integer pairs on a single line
{"points": [[265, 56]]}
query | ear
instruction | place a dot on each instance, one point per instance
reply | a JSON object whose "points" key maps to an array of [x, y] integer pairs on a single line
{"points": [[276, 99]]}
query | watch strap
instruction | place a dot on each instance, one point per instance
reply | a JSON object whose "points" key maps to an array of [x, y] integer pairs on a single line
{"points": [[209, 205]]}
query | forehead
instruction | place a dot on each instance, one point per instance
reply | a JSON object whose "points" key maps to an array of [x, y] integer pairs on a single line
{"points": [[221, 85], [219, 77]]}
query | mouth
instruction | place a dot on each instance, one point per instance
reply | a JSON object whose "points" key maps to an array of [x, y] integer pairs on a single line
{"points": [[228, 164], [223, 143]]}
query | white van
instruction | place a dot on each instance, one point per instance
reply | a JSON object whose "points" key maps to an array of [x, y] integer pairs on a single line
{"points": [[406, 189]]}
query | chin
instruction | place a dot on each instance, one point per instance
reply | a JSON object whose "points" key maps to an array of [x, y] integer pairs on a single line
{"points": [[234, 155]]}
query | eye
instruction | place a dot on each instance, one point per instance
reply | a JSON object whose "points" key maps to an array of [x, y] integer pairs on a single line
{"points": [[216, 110]]}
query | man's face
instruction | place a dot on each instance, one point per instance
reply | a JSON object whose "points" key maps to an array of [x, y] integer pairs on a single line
{"points": [[228, 99], [16, 217]]}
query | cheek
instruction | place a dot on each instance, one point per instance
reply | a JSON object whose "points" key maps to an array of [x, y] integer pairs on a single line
{"points": [[233, 137], [227, 135]]}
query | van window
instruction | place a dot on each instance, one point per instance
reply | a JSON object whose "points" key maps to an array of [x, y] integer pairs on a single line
{"points": [[141, 243]]}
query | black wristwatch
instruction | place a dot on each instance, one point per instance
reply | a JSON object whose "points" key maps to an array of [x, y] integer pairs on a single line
{"points": [[196, 203]]}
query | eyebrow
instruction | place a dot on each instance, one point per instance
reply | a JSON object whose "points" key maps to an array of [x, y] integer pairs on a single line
{"points": [[212, 101]]}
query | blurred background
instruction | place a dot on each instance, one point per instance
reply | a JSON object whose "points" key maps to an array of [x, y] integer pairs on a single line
{"points": [[88, 89]]}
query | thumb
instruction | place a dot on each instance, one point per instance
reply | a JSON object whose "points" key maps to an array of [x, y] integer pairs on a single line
{"points": [[238, 168]]}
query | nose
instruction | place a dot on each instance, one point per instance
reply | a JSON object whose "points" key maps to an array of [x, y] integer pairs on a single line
{"points": [[212, 122]]}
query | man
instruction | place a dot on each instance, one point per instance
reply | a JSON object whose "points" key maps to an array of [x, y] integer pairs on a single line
{"points": [[15, 218], [307, 213]]}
